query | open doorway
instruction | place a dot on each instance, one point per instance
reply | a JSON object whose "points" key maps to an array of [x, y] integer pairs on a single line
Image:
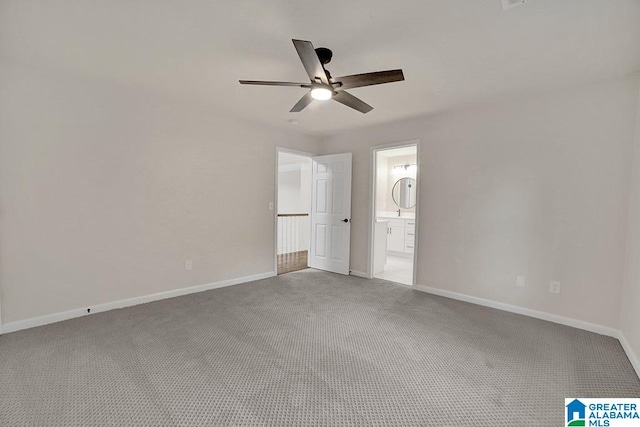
{"points": [[395, 191], [293, 208]]}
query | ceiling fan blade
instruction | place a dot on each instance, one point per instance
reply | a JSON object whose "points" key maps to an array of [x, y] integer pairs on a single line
{"points": [[304, 101], [310, 60], [368, 79], [349, 100], [265, 83]]}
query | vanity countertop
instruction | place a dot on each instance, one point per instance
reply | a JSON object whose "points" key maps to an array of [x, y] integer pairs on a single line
{"points": [[388, 215]]}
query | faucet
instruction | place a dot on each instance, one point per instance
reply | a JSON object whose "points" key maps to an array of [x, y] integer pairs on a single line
{"points": [[398, 212]]}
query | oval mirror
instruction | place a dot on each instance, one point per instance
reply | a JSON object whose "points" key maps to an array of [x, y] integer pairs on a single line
{"points": [[404, 193]]}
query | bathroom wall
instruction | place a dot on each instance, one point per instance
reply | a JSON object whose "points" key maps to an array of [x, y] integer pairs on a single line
{"points": [[383, 190], [386, 177], [394, 175]]}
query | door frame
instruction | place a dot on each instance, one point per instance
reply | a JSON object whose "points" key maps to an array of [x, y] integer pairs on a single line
{"points": [[372, 204], [279, 150]]}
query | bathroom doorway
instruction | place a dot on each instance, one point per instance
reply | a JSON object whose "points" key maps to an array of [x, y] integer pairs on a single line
{"points": [[395, 193], [293, 208]]}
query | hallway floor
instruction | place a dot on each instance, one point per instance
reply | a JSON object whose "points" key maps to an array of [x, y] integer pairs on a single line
{"points": [[292, 261]]}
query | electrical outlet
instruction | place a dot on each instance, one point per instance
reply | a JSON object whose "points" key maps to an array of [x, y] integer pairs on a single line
{"points": [[188, 265], [520, 281], [554, 287]]}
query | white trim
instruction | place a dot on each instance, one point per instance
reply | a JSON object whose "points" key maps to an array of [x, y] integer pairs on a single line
{"points": [[372, 203], [359, 274], [416, 237], [79, 312], [633, 357], [591, 327], [372, 210], [281, 149]]}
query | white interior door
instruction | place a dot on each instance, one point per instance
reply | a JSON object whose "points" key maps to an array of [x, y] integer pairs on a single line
{"points": [[331, 213]]}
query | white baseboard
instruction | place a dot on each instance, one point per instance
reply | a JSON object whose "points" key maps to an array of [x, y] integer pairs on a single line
{"points": [[591, 327], [70, 314], [99, 308], [633, 357], [359, 274]]}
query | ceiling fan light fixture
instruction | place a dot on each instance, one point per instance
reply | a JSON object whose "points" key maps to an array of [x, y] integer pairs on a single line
{"points": [[321, 93], [324, 87]]}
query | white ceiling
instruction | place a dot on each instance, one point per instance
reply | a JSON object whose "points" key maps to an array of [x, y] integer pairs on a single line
{"points": [[453, 52]]}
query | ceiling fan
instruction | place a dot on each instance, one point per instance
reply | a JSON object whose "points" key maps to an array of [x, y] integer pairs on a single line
{"points": [[323, 86]]}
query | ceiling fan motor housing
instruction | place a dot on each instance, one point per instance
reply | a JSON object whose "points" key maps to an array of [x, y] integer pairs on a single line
{"points": [[324, 55]]}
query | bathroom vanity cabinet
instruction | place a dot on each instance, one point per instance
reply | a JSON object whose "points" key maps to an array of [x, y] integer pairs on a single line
{"points": [[400, 234]]}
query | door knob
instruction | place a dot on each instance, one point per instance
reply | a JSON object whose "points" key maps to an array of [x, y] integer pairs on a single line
{"points": [[345, 220]]}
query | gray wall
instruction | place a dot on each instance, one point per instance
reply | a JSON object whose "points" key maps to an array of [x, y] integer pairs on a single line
{"points": [[106, 190], [630, 316], [536, 186]]}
